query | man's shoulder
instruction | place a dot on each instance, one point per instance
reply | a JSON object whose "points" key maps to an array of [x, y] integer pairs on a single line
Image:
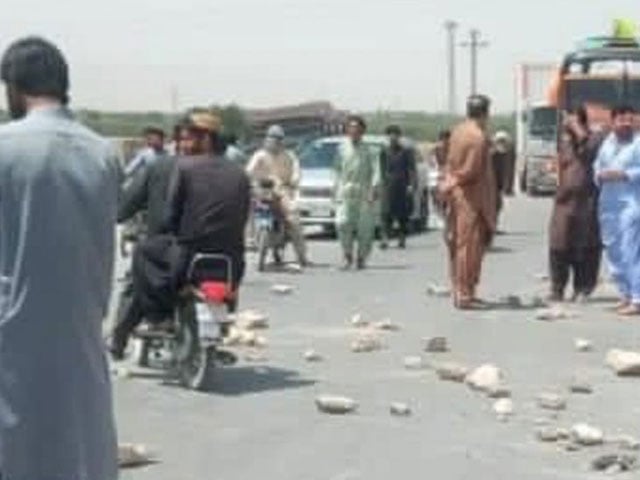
{"points": [[32, 131]]}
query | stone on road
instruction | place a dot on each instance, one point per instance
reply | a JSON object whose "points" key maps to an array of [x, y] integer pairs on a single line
{"points": [[486, 378], [587, 435], [504, 408], [452, 372], [336, 405], [624, 363], [366, 343], [436, 345], [415, 363], [583, 345], [134, 456], [312, 356], [400, 409], [551, 401]]}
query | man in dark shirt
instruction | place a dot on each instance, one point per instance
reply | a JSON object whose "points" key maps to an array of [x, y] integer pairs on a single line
{"points": [[209, 197], [398, 167]]}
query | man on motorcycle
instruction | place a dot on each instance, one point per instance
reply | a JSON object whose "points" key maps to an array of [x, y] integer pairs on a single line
{"points": [[154, 150], [274, 162], [145, 192], [206, 210], [208, 206]]}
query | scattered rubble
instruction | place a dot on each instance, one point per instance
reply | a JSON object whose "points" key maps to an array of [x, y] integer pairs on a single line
{"points": [[586, 435], [580, 385], [312, 356], [282, 289], [134, 456], [415, 363], [250, 320], [436, 345], [239, 337], [625, 442], [452, 372], [552, 401], [255, 357], [387, 325], [582, 345], [552, 434], [485, 378], [504, 408], [555, 313], [435, 290], [358, 321], [399, 409], [366, 344], [624, 363], [614, 463], [336, 405]]}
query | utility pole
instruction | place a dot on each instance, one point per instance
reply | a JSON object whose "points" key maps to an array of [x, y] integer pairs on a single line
{"points": [[174, 99], [451, 28], [474, 45]]}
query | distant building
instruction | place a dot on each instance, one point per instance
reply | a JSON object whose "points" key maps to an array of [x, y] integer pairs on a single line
{"points": [[301, 122]]}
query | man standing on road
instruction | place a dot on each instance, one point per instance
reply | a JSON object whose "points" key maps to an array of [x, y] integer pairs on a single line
{"points": [[617, 174], [574, 234], [275, 162], [59, 187], [469, 189], [503, 159], [356, 190], [154, 140], [398, 169]]}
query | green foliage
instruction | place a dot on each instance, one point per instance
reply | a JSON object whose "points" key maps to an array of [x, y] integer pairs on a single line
{"points": [[418, 125], [426, 126]]}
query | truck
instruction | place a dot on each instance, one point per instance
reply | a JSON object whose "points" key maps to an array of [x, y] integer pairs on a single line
{"points": [[536, 129]]}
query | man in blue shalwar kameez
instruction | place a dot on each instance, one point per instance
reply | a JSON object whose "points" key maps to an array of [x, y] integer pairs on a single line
{"points": [[617, 174], [58, 205]]}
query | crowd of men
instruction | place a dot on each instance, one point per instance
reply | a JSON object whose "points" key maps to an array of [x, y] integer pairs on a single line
{"points": [[61, 197]]}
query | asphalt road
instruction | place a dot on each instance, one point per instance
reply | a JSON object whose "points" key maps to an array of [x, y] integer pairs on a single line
{"points": [[261, 421]]}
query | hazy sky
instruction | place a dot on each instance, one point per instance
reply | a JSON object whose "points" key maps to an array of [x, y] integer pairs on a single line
{"points": [[360, 54]]}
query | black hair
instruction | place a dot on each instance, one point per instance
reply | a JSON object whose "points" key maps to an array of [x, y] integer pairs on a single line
{"points": [[478, 106], [444, 135], [582, 115], [154, 131], [622, 110], [36, 67], [393, 130], [357, 119]]}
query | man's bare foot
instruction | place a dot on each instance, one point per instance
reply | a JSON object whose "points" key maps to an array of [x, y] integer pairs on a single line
{"points": [[622, 305], [631, 310]]}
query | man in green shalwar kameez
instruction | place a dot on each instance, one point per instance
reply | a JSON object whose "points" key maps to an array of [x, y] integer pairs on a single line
{"points": [[357, 183]]}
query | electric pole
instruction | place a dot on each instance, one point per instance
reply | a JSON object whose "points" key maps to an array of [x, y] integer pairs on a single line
{"points": [[451, 28], [474, 45]]}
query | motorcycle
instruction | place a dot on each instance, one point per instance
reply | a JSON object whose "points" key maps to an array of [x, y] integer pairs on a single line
{"points": [[192, 343], [269, 224]]}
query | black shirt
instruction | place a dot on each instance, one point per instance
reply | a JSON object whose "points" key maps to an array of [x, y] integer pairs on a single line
{"points": [[209, 205]]}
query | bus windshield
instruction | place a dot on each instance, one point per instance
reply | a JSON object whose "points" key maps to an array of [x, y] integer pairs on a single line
{"points": [[604, 92]]}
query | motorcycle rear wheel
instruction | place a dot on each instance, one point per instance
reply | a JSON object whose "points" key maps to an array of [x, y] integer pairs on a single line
{"points": [[196, 365]]}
